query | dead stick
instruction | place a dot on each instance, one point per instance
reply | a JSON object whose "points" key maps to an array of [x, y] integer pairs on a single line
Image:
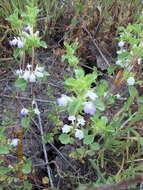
{"points": [[120, 185]]}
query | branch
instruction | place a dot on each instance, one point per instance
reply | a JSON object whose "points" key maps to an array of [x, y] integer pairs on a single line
{"points": [[44, 148], [120, 185]]}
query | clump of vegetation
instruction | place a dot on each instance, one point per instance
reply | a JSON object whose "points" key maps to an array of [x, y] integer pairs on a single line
{"points": [[74, 125]]}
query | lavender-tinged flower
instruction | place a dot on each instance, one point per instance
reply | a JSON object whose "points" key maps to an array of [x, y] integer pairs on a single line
{"points": [[118, 62], [18, 72], [131, 81], [63, 101], [13, 42], [80, 120], [32, 78], [26, 28], [24, 111], [121, 43], [89, 108], [66, 128], [79, 134], [91, 95]]}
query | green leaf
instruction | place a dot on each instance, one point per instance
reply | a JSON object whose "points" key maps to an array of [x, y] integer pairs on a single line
{"points": [[88, 139], [48, 138], [90, 152], [16, 53], [95, 146], [110, 100], [74, 106], [79, 72], [104, 119], [65, 139], [102, 88], [27, 185], [4, 170], [27, 166], [21, 83], [99, 104], [141, 141], [133, 91], [43, 44], [4, 149], [73, 61], [111, 69], [140, 99], [25, 121]]}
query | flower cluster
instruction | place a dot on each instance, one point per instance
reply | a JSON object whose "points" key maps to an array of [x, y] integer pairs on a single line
{"points": [[26, 34], [89, 106], [121, 50], [20, 42], [79, 121], [131, 81], [25, 111], [30, 75]]}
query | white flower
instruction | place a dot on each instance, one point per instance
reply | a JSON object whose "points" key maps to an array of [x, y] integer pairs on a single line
{"points": [[66, 128], [39, 74], [121, 51], [139, 61], [20, 44], [24, 111], [80, 120], [118, 96], [91, 95], [131, 81], [14, 142], [33, 102], [72, 118], [32, 78], [64, 100], [36, 33], [79, 134], [121, 43], [36, 111], [26, 75], [29, 66], [39, 69], [10, 166]]}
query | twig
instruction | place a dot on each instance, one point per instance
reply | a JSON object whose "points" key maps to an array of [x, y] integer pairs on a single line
{"points": [[120, 185], [44, 148], [64, 158], [95, 43], [122, 126], [25, 98]]}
